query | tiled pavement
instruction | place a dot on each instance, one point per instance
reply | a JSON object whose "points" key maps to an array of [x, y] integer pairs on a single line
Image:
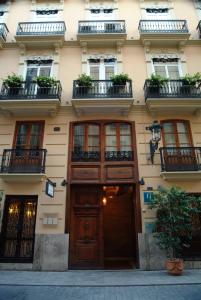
{"points": [[98, 278], [99, 285]]}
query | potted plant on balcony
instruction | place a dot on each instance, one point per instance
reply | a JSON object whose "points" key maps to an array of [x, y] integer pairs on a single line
{"points": [[156, 82], [84, 83], [173, 226], [13, 83], [118, 83], [45, 84], [189, 83]]}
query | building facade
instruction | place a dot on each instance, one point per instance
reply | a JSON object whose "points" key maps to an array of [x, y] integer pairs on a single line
{"points": [[77, 173]]}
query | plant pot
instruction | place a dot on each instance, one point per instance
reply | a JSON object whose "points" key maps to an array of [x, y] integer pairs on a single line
{"points": [[175, 267], [154, 89], [13, 91], [44, 91]]}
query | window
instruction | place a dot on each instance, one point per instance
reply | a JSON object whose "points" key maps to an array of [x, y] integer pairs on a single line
{"points": [[28, 135], [101, 14], [167, 67], [102, 69], [118, 137], [157, 13], [47, 12], [86, 138], [38, 68], [109, 141], [176, 134]]}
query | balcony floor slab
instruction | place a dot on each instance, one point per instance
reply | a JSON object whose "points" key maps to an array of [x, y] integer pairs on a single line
{"points": [[22, 178], [174, 105], [31, 107], [181, 176]]}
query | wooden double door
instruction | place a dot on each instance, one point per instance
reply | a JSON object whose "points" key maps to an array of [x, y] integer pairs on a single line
{"points": [[102, 235]]}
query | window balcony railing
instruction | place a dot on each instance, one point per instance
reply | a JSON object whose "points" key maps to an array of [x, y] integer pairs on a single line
{"points": [[172, 89], [199, 28], [101, 27], [180, 159], [163, 26], [30, 90], [23, 161], [102, 89], [95, 156], [41, 28], [3, 31]]}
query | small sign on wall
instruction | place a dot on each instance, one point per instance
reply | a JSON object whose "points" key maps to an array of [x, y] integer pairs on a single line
{"points": [[149, 227], [148, 196], [49, 190]]}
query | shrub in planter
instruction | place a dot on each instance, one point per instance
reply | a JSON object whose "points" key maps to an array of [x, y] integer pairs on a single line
{"points": [[84, 83], [120, 79], [173, 227], [45, 84], [13, 83], [156, 82], [118, 83], [189, 83]]}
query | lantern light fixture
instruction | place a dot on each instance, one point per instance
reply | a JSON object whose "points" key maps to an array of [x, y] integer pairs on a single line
{"points": [[155, 129]]}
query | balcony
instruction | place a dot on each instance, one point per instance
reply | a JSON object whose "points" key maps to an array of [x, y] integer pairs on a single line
{"points": [[95, 156], [102, 97], [199, 29], [41, 33], [173, 97], [180, 163], [164, 32], [3, 33], [30, 100], [95, 32], [23, 165]]}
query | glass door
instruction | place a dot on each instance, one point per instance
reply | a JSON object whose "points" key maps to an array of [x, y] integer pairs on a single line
{"points": [[102, 70], [18, 229], [179, 154], [35, 69], [27, 155]]}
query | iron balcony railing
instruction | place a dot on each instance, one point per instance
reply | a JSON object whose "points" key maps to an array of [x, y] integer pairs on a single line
{"points": [[95, 156], [30, 90], [3, 31], [102, 89], [100, 27], [41, 28], [199, 28], [163, 26], [175, 159], [23, 161], [172, 89]]}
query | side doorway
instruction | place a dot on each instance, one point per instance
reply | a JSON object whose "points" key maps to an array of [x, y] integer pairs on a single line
{"points": [[18, 229]]}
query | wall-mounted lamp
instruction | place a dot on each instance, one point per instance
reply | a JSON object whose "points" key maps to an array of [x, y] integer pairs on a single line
{"points": [[64, 182], [141, 181], [155, 129]]}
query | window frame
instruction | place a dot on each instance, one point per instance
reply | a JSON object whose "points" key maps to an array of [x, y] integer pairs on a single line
{"points": [[86, 136], [174, 122], [19, 123]]}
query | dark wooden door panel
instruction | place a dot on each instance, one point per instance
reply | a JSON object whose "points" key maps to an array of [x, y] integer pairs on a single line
{"points": [[86, 228]]}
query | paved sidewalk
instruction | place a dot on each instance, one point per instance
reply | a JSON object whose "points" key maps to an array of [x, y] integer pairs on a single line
{"points": [[98, 278]]}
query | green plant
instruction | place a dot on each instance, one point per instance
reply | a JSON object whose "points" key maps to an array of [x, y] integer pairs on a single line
{"points": [[157, 80], [84, 80], [173, 228], [13, 81], [45, 81], [191, 80], [120, 79]]}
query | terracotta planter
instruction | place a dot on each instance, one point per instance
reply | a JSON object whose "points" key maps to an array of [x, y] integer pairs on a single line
{"points": [[175, 267]]}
